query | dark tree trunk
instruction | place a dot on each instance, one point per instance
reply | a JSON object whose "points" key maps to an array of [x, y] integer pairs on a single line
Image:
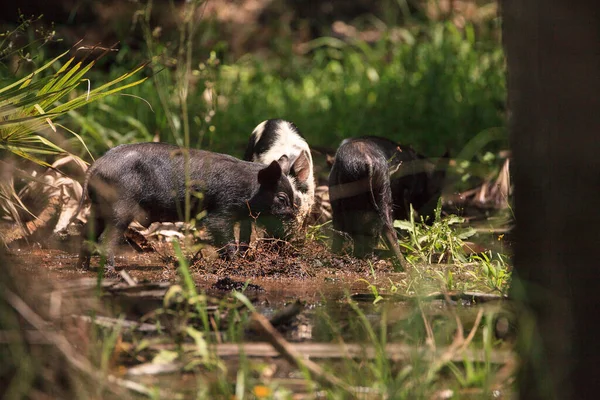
{"points": [[553, 54]]}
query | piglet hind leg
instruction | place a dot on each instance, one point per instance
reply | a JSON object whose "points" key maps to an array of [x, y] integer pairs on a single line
{"points": [[343, 226], [122, 214], [89, 236], [113, 236], [391, 238]]}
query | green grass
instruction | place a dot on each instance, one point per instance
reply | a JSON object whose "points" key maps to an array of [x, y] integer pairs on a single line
{"points": [[438, 250], [436, 242], [436, 88]]}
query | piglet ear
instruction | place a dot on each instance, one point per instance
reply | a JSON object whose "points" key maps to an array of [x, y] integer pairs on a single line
{"points": [[284, 163], [329, 159], [301, 167], [270, 175]]}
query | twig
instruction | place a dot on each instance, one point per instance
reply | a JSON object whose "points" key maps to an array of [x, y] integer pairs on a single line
{"points": [[125, 275], [457, 344], [504, 374], [430, 338], [71, 355], [473, 330], [262, 324], [287, 314]]}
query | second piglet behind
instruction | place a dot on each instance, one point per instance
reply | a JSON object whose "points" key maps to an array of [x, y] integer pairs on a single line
{"points": [[274, 138]]}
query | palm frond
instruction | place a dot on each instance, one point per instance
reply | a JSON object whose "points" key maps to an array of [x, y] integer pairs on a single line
{"points": [[30, 105]]}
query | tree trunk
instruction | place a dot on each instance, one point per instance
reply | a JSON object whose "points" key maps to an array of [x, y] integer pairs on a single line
{"points": [[553, 56]]}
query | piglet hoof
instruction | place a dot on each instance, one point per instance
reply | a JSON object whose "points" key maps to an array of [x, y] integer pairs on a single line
{"points": [[110, 271], [243, 249], [83, 259], [82, 267], [398, 264], [228, 252]]}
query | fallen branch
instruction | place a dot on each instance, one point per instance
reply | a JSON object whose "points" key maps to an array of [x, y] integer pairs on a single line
{"points": [[262, 324], [475, 297], [108, 322], [150, 368], [125, 275], [458, 345], [287, 314], [70, 354]]}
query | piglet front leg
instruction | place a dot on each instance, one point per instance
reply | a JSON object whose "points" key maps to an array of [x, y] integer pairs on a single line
{"points": [[220, 227], [245, 234]]}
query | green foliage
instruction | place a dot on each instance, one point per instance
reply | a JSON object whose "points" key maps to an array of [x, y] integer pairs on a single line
{"points": [[199, 302], [494, 270], [437, 242], [374, 291], [317, 233], [444, 241], [25, 51], [28, 106], [434, 87], [437, 87]]}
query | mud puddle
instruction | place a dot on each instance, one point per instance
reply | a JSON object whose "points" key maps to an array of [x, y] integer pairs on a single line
{"points": [[314, 299], [323, 284]]}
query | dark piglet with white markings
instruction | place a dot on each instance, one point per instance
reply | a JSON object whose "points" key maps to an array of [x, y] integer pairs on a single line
{"points": [[146, 182], [372, 182]]}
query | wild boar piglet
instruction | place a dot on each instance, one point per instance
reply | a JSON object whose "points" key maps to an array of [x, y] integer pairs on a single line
{"points": [[147, 182]]}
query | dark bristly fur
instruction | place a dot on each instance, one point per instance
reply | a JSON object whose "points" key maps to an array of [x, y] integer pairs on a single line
{"points": [[372, 182], [146, 182]]}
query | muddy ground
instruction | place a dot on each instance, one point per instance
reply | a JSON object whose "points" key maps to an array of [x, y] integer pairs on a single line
{"points": [[277, 277], [301, 272]]}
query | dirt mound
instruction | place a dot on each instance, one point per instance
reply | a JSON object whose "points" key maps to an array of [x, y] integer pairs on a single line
{"points": [[281, 259]]}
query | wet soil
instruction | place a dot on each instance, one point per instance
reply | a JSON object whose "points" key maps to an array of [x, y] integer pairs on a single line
{"points": [[274, 277], [303, 271], [271, 275]]}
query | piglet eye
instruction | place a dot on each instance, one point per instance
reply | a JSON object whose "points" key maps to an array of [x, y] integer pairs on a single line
{"points": [[282, 197]]}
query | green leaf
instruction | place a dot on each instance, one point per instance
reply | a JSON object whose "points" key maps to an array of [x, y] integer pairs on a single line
{"points": [[453, 219], [403, 224], [165, 357], [26, 80], [198, 337], [465, 233], [174, 295]]}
